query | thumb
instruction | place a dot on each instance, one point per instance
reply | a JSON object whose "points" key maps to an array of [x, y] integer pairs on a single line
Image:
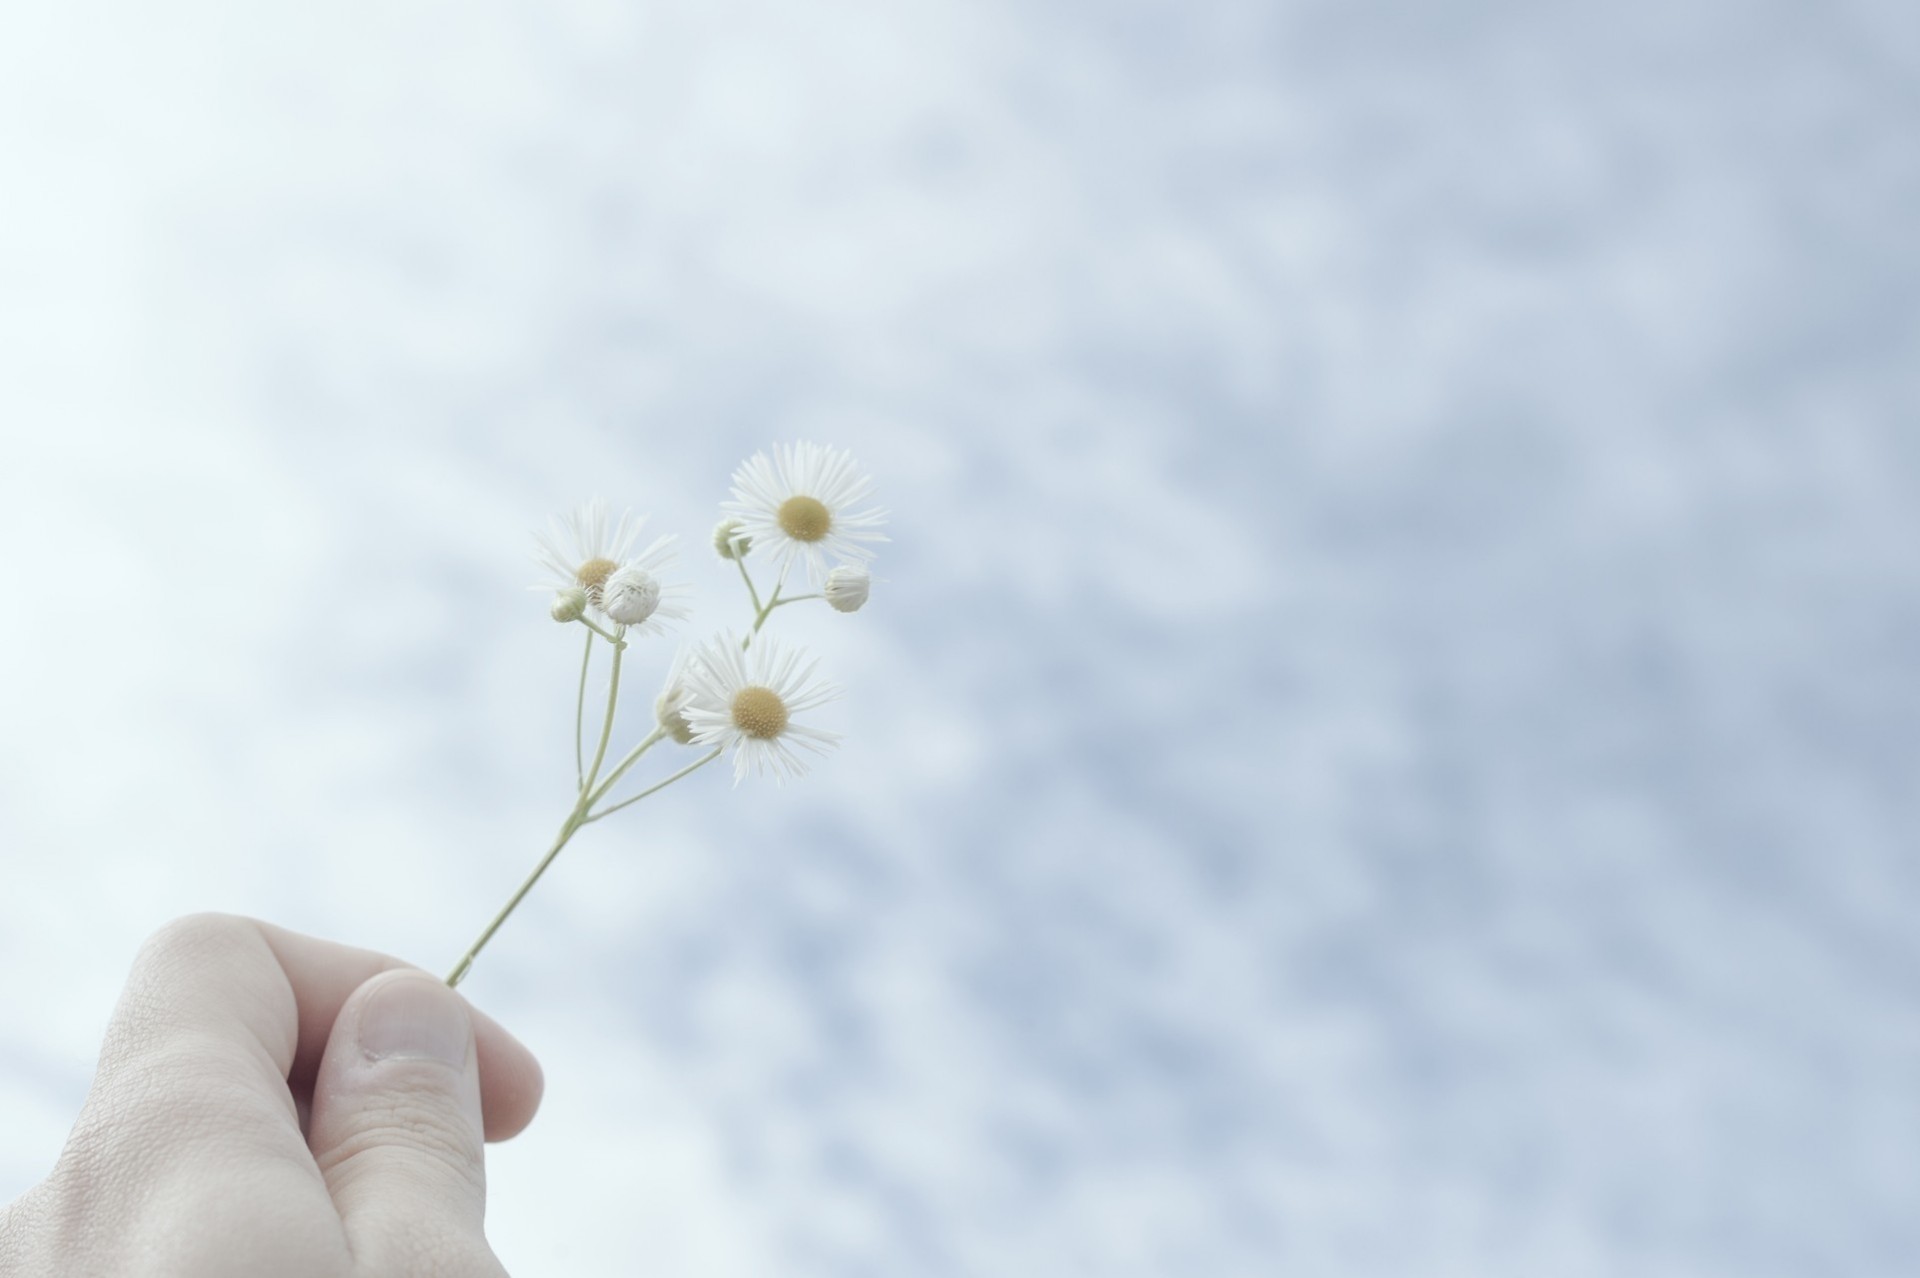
{"points": [[396, 1129]]}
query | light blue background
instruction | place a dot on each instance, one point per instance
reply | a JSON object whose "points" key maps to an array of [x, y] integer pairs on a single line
{"points": [[1385, 742]]}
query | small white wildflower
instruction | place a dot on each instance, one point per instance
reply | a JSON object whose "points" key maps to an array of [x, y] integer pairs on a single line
{"points": [[798, 503], [728, 541], [586, 548], [747, 701], [602, 566], [569, 605], [846, 588]]}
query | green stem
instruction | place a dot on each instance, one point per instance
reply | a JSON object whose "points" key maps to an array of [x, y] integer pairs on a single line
{"points": [[572, 823], [577, 817], [606, 726], [695, 766], [620, 768], [761, 614], [752, 593], [610, 638], [579, 710]]}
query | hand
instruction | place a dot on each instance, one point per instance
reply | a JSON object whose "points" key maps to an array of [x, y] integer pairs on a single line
{"points": [[269, 1105]]}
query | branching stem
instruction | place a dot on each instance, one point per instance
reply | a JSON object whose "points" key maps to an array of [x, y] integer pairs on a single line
{"points": [[691, 768]]}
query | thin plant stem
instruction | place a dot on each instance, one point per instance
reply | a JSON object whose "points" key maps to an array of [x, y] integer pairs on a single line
{"points": [[592, 788], [572, 823], [761, 614], [752, 593], [579, 711], [693, 767], [575, 819], [610, 638], [620, 768], [606, 726]]}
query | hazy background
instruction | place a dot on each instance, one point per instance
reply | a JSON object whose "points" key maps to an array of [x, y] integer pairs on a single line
{"points": [[1386, 742]]}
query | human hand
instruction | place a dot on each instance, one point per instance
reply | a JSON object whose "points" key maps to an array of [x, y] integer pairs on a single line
{"points": [[269, 1105]]}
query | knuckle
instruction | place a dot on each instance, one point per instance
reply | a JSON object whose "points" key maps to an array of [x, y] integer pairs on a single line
{"points": [[197, 934], [167, 1100]]}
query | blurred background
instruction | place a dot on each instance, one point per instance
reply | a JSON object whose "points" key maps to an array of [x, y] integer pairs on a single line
{"points": [[1385, 742]]}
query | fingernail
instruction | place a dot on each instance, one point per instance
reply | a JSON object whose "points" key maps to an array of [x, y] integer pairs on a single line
{"points": [[415, 1017]]}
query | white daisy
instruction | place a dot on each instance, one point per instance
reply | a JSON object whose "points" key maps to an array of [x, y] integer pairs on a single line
{"points": [[747, 700], [586, 549], [799, 502]]}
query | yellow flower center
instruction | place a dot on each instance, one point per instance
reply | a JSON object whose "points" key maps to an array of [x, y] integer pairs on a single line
{"points": [[760, 713], [804, 518], [593, 574]]}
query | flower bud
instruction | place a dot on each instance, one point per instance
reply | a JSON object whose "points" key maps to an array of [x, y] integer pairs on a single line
{"points": [[846, 588], [670, 705], [729, 541], [630, 596], [569, 605]]}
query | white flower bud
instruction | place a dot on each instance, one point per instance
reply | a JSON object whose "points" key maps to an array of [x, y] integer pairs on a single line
{"points": [[846, 588], [670, 706], [630, 596], [729, 541], [569, 605]]}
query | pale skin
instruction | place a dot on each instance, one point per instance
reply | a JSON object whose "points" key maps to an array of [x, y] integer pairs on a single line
{"points": [[268, 1103]]}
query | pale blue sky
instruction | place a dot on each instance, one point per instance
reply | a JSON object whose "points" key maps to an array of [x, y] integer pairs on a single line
{"points": [[1384, 743]]}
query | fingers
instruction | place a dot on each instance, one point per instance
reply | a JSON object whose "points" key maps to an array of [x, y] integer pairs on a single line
{"points": [[254, 1004], [323, 974], [197, 1050], [224, 1030], [397, 1130], [189, 1114]]}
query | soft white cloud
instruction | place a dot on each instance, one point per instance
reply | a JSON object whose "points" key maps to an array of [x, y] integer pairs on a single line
{"points": [[1382, 741]]}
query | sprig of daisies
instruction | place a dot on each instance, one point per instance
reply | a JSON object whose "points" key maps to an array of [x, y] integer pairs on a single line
{"points": [[801, 503]]}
